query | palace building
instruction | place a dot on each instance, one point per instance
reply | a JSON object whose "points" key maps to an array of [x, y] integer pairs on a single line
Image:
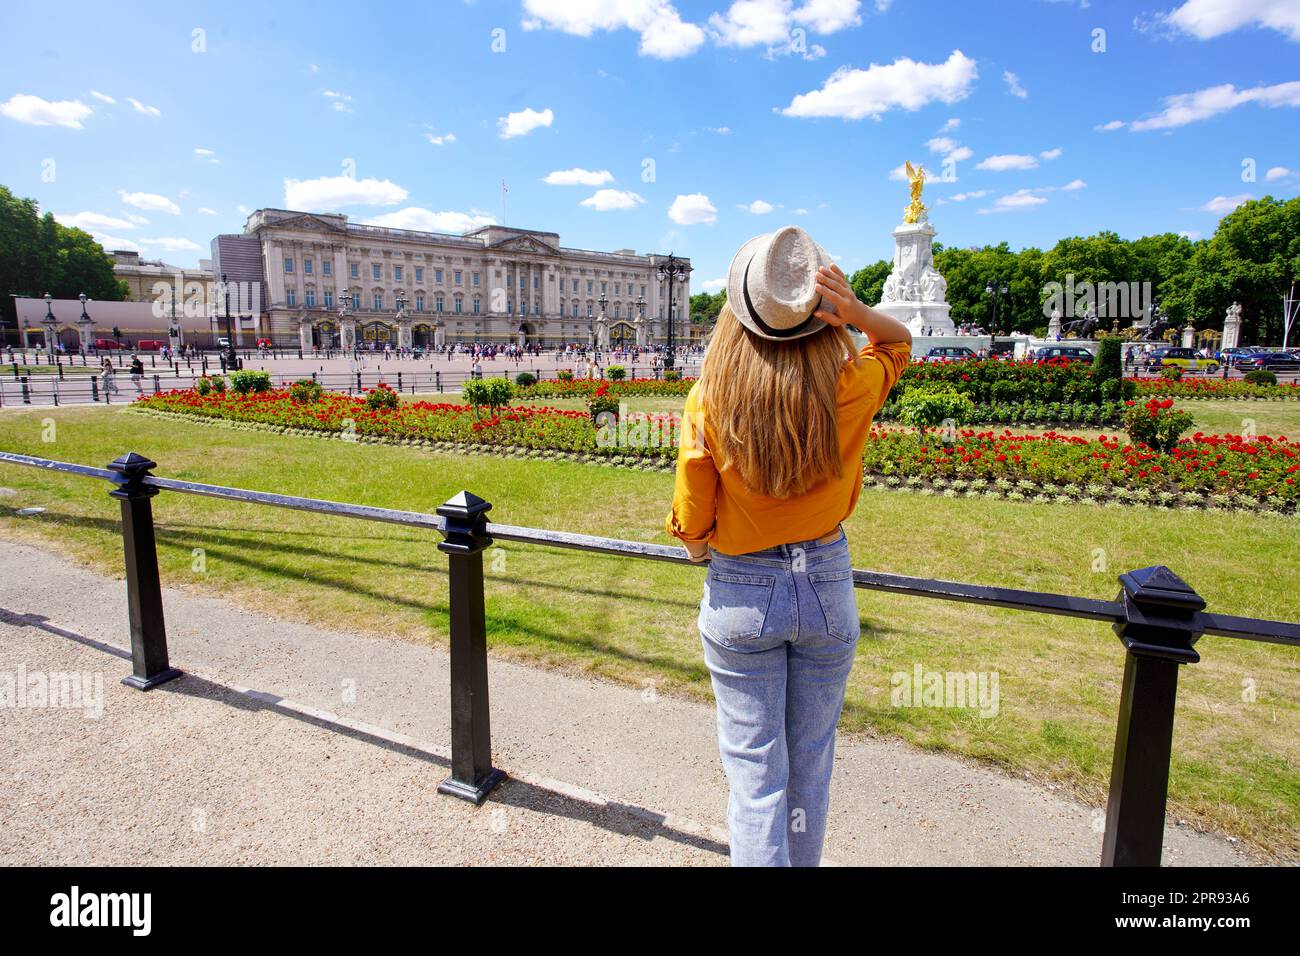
{"points": [[314, 279]]}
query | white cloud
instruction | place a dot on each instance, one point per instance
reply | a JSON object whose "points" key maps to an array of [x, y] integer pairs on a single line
{"points": [[941, 144], [906, 84], [1007, 161], [1184, 108], [143, 108], [1013, 85], [206, 211], [200, 151], [1276, 173], [801, 211], [35, 111], [578, 177], [138, 220], [1051, 153], [1192, 234], [769, 22], [170, 244], [1074, 185], [975, 194], [714, 285], [111, 242], [603, 200], [524, 122], [425, 220], [151, 202], [340, 101], [949, 126], [94, 222], [663, 32], [759, 207], [1018, 200], [692, 209], [442, 140], [959, 155], [330, 192], [1111, 126], [103, 97], [1222, 205], [720, 130], [1206, 19]]}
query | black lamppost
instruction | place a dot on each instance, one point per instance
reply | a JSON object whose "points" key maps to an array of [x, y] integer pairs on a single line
{"points": [[997, 289], [232, 359], [672, 270]]}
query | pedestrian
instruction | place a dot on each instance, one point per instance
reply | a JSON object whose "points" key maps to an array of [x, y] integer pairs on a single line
{"points": [[770, 464], [137, 373], [108, 379]]}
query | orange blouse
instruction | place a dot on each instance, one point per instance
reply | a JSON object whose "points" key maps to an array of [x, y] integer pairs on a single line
{"points": [[711, 503]]}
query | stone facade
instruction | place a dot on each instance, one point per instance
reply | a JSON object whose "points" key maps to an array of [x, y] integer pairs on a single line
{"points": [[144, 276], [495, 284]]}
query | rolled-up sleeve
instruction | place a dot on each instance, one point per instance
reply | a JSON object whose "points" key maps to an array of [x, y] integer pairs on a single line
{"points": [[891, 358], [695, 492]]}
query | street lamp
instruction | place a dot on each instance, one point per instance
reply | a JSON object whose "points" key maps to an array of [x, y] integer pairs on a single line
{"points": [[997, 289], [232, 360], [672, 270]]}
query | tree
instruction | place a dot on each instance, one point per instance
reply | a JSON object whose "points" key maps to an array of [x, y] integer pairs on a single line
{"points": [[39, 255], [868, 283], [705, 307]]}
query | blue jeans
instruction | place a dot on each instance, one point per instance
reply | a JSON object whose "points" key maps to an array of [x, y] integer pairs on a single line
{"points": [[780, 630]]}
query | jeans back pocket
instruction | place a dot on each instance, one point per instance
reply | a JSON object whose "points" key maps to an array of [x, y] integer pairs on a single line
{"points": [[735, 606], [839, 603]]}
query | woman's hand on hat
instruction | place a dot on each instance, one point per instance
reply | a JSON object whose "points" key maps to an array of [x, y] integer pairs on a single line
{"points": [[834, 285]]}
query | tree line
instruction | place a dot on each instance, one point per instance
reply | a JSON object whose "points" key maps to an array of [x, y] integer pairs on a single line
{"points": [[1252, 258], [39, 255]]}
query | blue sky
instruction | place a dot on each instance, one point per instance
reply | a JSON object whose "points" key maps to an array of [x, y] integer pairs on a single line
{"points": [[688, 126]]}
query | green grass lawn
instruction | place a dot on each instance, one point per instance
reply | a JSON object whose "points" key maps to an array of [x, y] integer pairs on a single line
{"points": [[1236, 763]]}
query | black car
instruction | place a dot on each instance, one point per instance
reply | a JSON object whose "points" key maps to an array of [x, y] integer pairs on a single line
{"points": [[1070, 353], [1273, 361]]}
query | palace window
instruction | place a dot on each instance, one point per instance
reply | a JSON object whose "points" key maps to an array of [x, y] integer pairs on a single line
{"points": [[437, 304], [523, 282], [561, 310], [376, 272], [537, 308], [459, 308], [288, 264], [356, 271], [326, 267], [311, 298], [291, 296], [603, 288], [437, 275], [456, 277], [589, 310], [478, 306], [306, 267], [379, 301], [588, 287], [475, 280], [329, 299], [419, 273], [419, 302], [616, 289], [397, 273]]}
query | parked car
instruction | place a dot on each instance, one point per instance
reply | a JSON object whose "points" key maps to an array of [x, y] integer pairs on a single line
{"points": [[1274, 361], [949, 353], [102, 345], [1229, 357], [1071, 353], [223, 342], [150, 345], [1188, 359]]}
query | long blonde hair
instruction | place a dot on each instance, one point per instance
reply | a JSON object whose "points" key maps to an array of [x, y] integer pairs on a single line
{"points": [[772, 405]]}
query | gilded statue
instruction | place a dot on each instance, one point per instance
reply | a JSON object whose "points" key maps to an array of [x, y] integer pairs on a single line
{"points": [[915, 211]]}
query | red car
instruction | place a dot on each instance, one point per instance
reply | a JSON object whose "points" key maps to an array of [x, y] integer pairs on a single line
{"points": [[102, 345], [150, 345]]}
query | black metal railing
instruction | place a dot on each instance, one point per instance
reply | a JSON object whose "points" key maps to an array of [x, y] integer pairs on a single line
{"points": [[1156, 615]]}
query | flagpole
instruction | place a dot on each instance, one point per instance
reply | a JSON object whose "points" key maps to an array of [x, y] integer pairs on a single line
{"points": [[504, 190]]}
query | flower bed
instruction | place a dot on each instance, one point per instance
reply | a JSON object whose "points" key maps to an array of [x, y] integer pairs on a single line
{"points": [[1214, 388], [999, 381], [1032, 413], [586, 388], [1218, 470], [1225, 471]]}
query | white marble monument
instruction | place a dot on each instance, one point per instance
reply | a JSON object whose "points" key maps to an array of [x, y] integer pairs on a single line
{"points": [[1231, 327], [915, 293]]}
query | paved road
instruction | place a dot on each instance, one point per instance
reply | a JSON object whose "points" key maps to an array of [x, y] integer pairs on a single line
{"points": [[287, 743]]}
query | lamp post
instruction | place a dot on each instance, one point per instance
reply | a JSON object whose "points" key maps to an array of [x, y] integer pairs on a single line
{"points": [[232, 359], [997, 289], [672, 270], [50, 322]]}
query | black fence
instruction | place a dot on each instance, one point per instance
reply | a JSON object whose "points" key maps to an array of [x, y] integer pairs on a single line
{"points": [[1156, 615]]}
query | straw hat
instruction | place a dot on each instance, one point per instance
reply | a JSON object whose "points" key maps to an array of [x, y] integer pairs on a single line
{"points": [[772, 284]]}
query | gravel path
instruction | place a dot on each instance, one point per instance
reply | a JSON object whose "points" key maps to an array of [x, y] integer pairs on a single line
{"points": [[291, 744]]}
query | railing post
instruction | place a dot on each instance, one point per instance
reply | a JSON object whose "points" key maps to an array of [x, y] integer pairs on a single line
{"points": [[472, 774], [1160, 627], [149, 664]]}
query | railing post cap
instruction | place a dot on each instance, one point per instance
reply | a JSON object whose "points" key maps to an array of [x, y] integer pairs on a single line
{"points": [[464, 505], [1157, 585], [131, 464]]}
